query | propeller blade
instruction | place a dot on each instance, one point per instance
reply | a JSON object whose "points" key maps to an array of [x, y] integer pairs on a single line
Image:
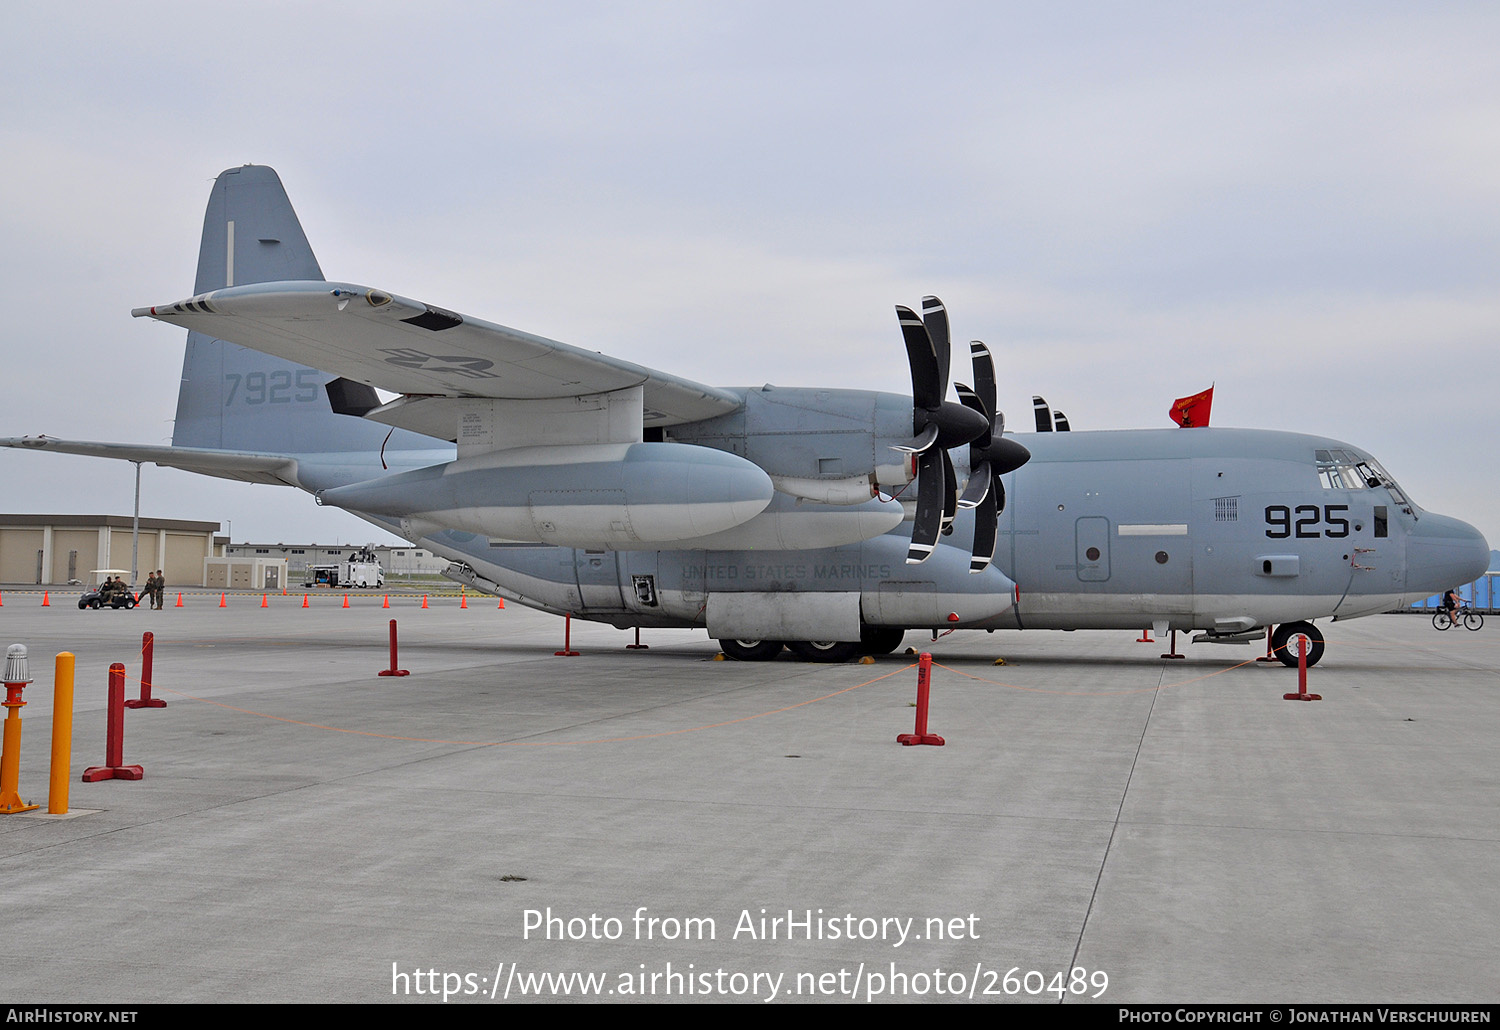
{"points": [[929, 380], [1060, 421], [978, 487], [1043, 414], [984, 379], [929, 521], [935, 318], [950, 493], [985, 518], [924, 440], [969, 398], [975, 402]]}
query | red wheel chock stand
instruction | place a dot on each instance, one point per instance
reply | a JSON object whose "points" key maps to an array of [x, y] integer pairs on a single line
{"points": [[114, 767], [567, 651], [393, 671], [924, 687], [1302, 694], [1269, 656], [148, 647]]}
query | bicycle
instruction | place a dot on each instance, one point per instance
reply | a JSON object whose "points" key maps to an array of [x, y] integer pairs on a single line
{"points": [[1471, 619]]}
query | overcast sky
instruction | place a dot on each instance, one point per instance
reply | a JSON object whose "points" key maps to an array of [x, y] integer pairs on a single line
{"points": [[1128, 202]]}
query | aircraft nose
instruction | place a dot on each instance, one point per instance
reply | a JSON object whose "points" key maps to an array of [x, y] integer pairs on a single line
{"points": [[1443, 552]]}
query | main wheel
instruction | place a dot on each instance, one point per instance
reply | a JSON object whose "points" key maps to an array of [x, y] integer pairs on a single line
{"points": [[829, 651], [1473, 621], [751, 650], [880, 639], [94, 604], [1284, 643], [1441, 620]]}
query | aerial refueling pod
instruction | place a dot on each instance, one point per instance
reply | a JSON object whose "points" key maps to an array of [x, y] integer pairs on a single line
{"points": [[592, 495]]}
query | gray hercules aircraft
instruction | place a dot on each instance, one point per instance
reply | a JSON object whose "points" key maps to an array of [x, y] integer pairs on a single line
{"points": [[825, 521]]}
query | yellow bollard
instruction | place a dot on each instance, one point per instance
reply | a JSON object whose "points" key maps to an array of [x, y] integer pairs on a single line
{"points": [[62, 735]]}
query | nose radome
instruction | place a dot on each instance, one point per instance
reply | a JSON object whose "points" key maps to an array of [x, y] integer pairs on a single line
{"points": [[1444, 552]]}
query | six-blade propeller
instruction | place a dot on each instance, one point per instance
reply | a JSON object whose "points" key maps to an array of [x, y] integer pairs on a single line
{"points": [[939, 424]]}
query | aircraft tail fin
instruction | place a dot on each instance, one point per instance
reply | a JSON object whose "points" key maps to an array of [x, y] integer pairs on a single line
{"points": [[234, 398], [251, 234]]}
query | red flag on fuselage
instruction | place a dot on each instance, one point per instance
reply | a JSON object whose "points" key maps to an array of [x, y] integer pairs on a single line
{"points": [[1191, 412]]}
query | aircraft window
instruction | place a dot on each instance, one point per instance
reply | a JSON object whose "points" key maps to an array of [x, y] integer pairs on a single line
{"points": [[1377, 476], [1339, 470]]}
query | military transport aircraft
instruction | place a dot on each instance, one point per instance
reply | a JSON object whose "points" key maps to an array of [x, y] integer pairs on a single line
{"points": [[826, 521]]}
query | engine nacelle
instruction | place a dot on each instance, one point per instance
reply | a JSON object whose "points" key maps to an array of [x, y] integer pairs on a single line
{"points": [[595, 495]]}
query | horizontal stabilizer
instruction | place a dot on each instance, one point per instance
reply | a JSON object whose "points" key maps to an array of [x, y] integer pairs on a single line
{"points": [[245, 467]]}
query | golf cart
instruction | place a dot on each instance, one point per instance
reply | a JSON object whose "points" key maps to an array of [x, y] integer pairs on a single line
{"points": [[96, 597]]}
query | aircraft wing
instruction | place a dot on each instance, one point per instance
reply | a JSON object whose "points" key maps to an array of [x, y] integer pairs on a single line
{"points": [[402, 345], [245, 466]]}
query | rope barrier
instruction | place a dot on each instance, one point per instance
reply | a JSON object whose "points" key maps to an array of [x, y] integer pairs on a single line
{"points": [[536, 743], [1106, 693]]}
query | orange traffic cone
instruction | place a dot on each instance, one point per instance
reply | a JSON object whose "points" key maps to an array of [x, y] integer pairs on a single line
{"points": [[223, 600], [463, 601], [424, 600], [179, 599], [264, 601], [45, 603], [2, 601], [387, 602], [304, 601], [346, 600], [501, 605]]}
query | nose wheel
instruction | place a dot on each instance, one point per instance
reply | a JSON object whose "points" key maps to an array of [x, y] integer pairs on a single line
{"points": [[1284, 643]]}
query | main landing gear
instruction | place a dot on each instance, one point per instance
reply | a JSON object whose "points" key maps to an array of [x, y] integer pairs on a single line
{"points": [[873, 640], [1284, 643], [751, 650]]}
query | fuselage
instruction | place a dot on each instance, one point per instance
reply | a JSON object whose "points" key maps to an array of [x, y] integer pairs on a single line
{"points": [[1222, 530]]}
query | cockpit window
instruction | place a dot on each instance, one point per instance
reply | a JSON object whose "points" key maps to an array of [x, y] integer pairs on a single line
{"points": [[1339, 469]]}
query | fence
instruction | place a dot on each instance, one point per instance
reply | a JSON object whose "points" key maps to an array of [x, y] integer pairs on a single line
{"points": [[1479, 594]]}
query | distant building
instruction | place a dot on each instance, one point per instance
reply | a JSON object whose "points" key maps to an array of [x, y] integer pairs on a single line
{"points": [[395, 560], [52, 550]]}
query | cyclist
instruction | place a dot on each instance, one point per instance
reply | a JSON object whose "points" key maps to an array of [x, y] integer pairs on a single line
{"points": [[1450, 605]]}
